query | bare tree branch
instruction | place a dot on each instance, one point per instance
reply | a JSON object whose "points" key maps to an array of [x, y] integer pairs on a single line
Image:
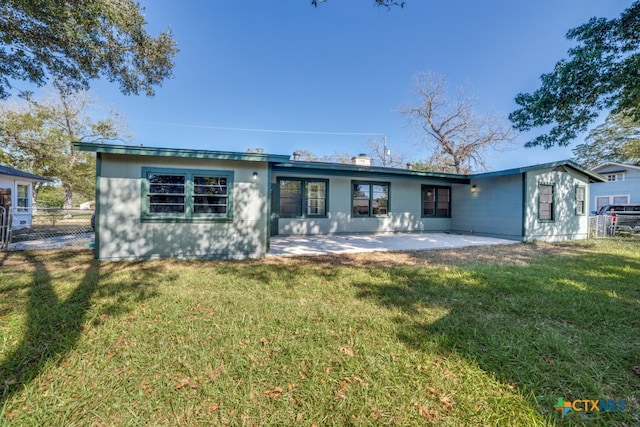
{"points": [[456, 136]]}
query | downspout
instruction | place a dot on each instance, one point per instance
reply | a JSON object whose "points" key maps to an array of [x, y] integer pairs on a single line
{"points": [[524, 206], [96, 245], [269, 196]]}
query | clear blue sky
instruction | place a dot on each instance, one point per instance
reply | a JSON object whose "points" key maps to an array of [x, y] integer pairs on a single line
{"points": [[344, 67]]}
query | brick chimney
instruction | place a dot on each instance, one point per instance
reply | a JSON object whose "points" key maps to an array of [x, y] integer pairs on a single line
{"points": [[361, 160]]}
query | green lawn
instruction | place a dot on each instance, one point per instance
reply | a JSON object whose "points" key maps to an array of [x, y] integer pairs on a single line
{"points": [[481, 336]]}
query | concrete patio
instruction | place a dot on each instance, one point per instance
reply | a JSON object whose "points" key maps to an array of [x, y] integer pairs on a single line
{"points": [[353, 243]]}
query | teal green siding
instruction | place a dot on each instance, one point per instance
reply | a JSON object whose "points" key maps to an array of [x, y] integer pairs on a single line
{"points": [[504, 205], [495, 209], [566, 223], [405, 213], [123, 235]]}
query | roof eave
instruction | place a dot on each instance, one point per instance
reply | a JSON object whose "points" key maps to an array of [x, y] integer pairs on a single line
{"points": [[177, 152], [620, 165], [327, 168], [593, 177]]}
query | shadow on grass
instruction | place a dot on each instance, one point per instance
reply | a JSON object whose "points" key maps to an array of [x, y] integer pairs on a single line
{"points": [[560, 323], [566, 327], [54, 325]]}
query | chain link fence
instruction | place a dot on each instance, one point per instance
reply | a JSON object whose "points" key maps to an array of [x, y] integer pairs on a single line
{"points": [[614, 225], [5, 227], [48, 228]]}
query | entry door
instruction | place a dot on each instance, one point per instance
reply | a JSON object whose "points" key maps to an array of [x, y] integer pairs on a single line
{"points": [[275, 210], [5, 197]]}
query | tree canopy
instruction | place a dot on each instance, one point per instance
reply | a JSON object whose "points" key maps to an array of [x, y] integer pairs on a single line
{"points": [[600, 74], [73, 42], [616, 140], [36, 136]]}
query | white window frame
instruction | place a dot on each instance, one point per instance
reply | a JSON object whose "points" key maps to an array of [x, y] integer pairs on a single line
{"points": [[551, 203], [614, 177], [25, 207], [581, 203]]}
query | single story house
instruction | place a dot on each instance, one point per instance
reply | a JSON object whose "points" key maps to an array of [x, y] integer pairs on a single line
{"points": [[16, 194], [621, 185], [162, 202]]}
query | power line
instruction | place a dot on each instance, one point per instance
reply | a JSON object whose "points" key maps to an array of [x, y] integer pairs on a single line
{"points": [[300, 132]]}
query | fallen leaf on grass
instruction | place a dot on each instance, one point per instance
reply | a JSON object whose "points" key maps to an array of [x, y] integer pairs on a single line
{"points": [[10, 382], [11, 414], [214, 375], [428, 414], [339, 392], [348, 351], [447, 403], [298, 417], [274, 393], [185, 382], [213, 407]]}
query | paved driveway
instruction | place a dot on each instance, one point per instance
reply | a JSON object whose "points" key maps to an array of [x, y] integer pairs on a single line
{"points": [[352, 243]]}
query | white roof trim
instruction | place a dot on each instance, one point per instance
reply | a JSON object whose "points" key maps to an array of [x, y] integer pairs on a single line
{"points": [[619, 165]]}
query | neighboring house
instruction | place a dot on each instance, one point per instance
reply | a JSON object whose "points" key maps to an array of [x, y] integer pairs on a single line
{"points": [[621, 185], [161, 202], [16, 192], [87, 205]]}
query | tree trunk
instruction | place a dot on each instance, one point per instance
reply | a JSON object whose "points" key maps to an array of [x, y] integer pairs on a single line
{"points": [[68, 196]]}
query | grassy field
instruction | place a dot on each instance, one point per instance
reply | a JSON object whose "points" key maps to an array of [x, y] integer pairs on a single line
{"points": [[472, 337]]}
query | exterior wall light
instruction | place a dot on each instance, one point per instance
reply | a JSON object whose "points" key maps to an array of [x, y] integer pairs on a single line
{"points": [[255, 176], [474, 189]]}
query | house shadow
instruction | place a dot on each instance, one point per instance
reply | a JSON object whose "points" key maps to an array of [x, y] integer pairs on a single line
{"points": [[54, 324], [529, 329]]}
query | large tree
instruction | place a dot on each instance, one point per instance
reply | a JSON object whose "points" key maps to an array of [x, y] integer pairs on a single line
{"points": [[601, 73], [36, 136], [457, 138], [76, 41], [615, 140]]}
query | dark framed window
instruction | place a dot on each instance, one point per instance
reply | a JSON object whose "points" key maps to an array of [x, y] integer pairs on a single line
{"points": [[210, 194], [22, 197], [176, 194], [436, 201], [580, 200], [545, 202], [167, 193], [302, 197], [369, 198]]}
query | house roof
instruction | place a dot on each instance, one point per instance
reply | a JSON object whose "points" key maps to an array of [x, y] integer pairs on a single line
{"points": [[6, 170], [623, 166], [178, 152], [368, 171], [593, 177], [283, 163]]}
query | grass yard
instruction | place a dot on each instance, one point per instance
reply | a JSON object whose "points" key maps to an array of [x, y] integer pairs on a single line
{"points": [[472, 337]]}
